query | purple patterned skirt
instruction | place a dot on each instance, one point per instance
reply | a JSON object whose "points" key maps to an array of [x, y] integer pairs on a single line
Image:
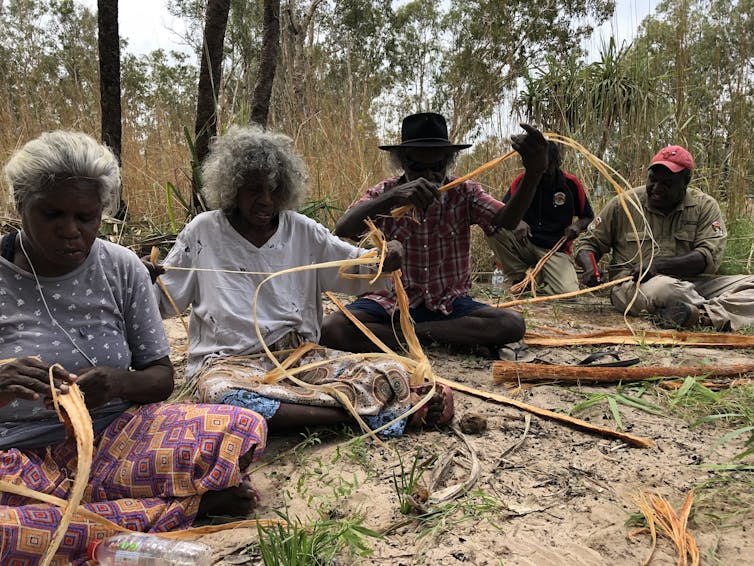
{"points": [[149, 471]]}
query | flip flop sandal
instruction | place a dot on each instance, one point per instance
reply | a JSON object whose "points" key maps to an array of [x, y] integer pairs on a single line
{"points": [[618, 363], [516, 353], [420, 417]]}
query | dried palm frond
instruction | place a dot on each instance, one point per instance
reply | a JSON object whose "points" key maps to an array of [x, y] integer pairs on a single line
{"points": [[658, 511]]}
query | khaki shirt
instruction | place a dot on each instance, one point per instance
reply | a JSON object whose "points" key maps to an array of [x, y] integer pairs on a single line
{"points": [[696, 224]]}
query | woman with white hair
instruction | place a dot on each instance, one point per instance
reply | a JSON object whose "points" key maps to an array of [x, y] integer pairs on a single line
{"points": [[69, 298], [253, 179]]}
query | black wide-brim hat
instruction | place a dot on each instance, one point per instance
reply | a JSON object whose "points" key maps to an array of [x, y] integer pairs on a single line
{"points": [[425, 130]]}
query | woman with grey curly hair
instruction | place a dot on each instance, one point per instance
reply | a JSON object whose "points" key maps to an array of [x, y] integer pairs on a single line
{"points": [[82, 310], [244, 151], [253, 178]]}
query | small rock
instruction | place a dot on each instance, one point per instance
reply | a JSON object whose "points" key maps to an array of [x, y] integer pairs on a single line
{"points": [[473, 424]]}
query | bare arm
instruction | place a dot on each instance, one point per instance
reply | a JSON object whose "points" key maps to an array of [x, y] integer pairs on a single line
{"points": [[532, 146], [150, 384], [578, 227], [687, 265], [419, 192]]}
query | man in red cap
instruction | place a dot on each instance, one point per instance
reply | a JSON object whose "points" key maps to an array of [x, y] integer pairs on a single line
{"points": [[681, 235], [437, 242]]}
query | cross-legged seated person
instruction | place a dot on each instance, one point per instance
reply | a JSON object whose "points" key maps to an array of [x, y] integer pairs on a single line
{"points": [[437, 260], [254, 180], [560, 208], [686, 228], [69, 298]]}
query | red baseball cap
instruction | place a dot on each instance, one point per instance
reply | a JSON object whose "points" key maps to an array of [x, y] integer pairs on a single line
{"points": [[675, 158]]}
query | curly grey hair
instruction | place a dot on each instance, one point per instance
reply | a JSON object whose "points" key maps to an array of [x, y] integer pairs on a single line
{"points": [[244, 150], [42, 163]]}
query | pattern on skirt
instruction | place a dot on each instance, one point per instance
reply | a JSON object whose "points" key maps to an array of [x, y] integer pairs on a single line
{"points": [[373, 386], [150, 469]]}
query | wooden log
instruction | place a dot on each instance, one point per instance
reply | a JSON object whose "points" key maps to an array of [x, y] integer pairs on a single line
{"points": [[623, 336], [520, 372]]}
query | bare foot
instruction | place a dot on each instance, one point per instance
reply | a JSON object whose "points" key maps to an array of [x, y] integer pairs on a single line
{"points": [[245, 460], [677, 315], [235, 501], [438, 411]]}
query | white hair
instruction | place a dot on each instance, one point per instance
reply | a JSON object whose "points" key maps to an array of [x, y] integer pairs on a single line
{"points": [[44, 162]]}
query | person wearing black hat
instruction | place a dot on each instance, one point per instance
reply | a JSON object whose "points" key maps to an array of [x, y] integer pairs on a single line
{"points": [[437, 242]]}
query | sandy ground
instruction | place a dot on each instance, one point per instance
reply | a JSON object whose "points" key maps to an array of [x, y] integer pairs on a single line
{"points": [[561, 496]]}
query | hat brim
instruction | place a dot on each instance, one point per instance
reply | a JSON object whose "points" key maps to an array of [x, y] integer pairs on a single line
{"points": [[427, 144], [674, 167]]}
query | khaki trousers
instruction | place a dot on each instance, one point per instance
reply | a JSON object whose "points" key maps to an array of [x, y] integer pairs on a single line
{"points": [[558, 275], [728, 300]]}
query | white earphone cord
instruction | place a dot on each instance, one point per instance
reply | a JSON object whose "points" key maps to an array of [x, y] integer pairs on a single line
{"points": [[44, 302]]}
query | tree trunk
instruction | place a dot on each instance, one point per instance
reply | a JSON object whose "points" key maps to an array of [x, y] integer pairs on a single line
{"points": [[109, 81], [260, 106], [210, 73], [298, 29]]}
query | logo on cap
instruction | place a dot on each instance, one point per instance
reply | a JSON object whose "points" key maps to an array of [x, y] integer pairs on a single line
{"points": [[675, 158]]}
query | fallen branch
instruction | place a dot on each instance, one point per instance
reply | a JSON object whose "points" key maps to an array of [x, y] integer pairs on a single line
{"points": [[620, 336], [520, 372], [578, 423]]}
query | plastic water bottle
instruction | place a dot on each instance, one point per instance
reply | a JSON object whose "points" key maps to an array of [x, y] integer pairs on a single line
{"points": [[148, 550], [498, 281]]}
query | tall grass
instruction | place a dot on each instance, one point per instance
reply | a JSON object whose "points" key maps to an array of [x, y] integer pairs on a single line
{"points": [[622, 104]]}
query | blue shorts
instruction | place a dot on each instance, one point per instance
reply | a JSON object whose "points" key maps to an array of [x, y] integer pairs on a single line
{"points": [[268, 407], [462, 306]]}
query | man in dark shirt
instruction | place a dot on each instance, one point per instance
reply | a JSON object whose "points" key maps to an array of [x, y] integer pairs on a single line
{"points": [[559, 199]]}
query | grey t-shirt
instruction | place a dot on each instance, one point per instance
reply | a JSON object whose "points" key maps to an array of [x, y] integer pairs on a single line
{"points": [[107, 307]]}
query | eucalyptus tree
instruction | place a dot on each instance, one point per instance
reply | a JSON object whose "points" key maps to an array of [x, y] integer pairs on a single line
{"points": [[418, 48], [159, 93], [48, 68], [108, 43], [210, 73], [705, 49], [333, 60], [268, 58], [108, 40], [489, 44], [358, 48]]}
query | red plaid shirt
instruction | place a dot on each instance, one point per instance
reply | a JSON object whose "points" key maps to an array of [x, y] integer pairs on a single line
{"points": [[437, 250]]}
